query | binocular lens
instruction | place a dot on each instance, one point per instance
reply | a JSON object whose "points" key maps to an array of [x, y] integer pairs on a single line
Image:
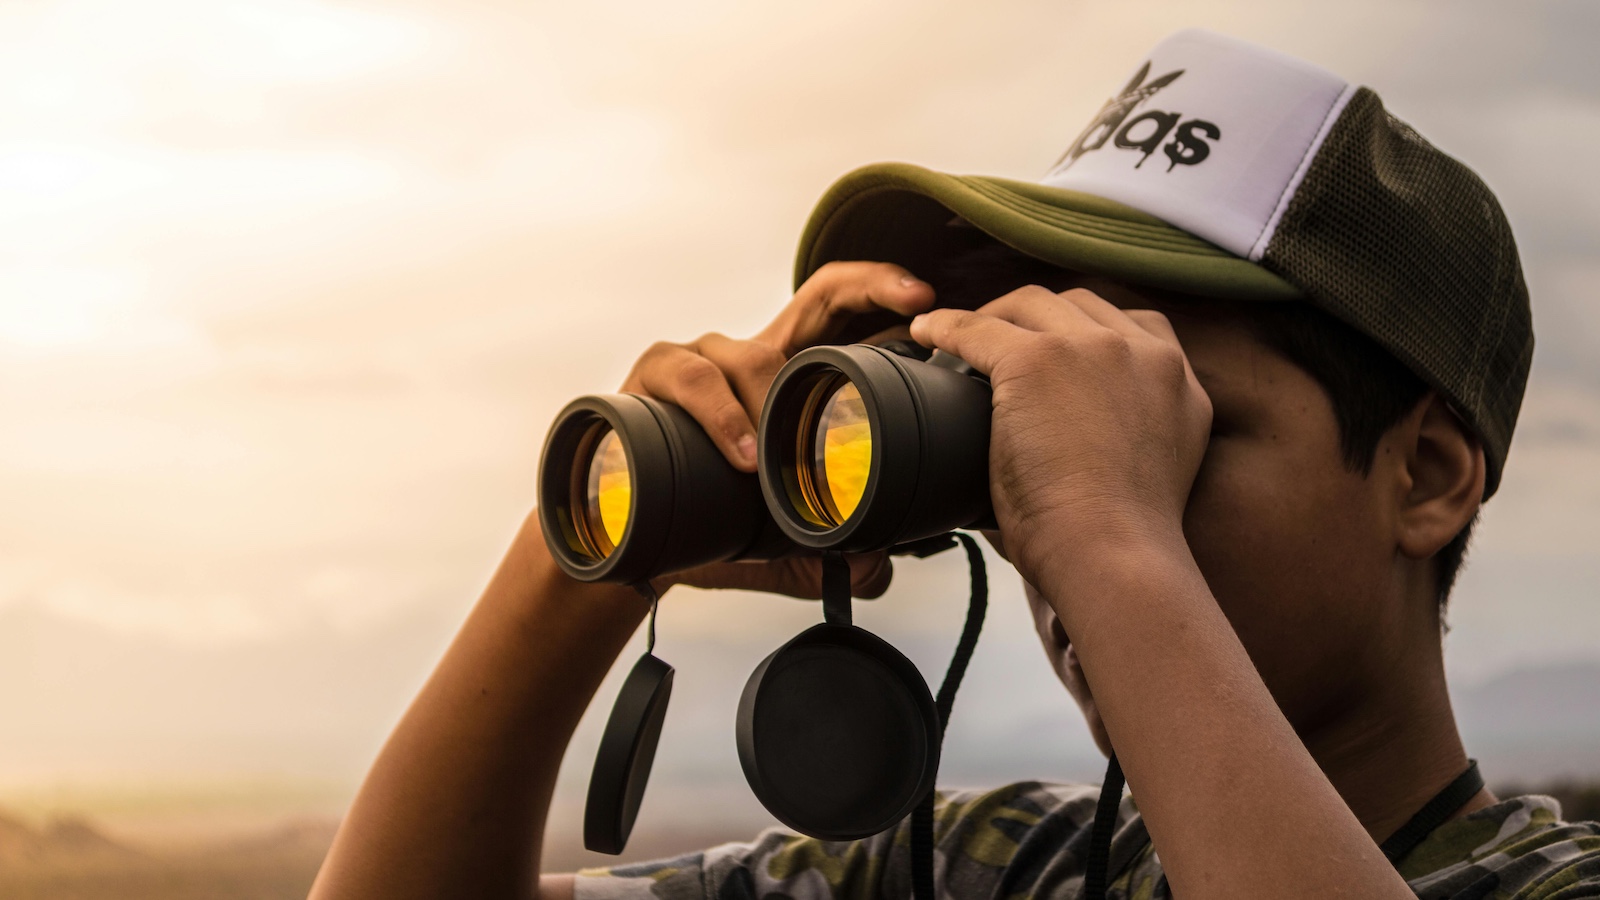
{"points": [[839, 449], [631, 488], [864, 447], [607, 490], [601, 491]]}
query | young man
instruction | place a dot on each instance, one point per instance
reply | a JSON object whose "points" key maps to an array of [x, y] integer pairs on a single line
{"points": [[1239, 434]]}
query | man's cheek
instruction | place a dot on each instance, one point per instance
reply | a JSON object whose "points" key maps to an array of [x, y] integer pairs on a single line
{"points": [[1224, 530]]}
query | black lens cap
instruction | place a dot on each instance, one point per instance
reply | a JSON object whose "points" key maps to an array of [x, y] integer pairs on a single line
{"points": [[838, 734], [622, 767]]}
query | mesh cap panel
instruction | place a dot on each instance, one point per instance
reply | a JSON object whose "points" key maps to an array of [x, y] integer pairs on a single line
{"points": [[1410, 247]]}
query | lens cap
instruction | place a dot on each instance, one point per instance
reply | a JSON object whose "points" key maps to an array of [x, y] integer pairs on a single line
{"points": [[622, 767], [838, 734]]}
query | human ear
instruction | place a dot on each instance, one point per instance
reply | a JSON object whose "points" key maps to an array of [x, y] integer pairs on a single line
{"points": [[1444, 477]]}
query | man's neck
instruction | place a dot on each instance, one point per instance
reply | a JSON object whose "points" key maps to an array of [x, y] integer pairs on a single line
{"points": [[1388, 757]]}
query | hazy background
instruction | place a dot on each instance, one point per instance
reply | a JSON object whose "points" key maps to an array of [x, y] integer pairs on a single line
{"points": [[290, 290]]}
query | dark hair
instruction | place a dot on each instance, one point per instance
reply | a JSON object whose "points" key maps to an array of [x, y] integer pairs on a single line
{"points": [[1370, 390]]}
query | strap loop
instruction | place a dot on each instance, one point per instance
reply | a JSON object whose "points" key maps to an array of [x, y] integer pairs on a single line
{"points": [[835, 588], [648, 591]]}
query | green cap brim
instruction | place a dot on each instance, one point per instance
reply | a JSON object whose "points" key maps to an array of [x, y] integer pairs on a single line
{"points": [[900, 213]]}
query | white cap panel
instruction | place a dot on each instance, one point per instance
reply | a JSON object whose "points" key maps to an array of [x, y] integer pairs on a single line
{"points": [[1209, 135]]}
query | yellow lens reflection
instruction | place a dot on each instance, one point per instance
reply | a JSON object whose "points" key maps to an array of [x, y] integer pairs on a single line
{"points": [[610, 489], [842, 452]]}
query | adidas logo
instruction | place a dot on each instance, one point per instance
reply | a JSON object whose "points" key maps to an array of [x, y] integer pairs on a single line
{"points": [[1145, 132]]}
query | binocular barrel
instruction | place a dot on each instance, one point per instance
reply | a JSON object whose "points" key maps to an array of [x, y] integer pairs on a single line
{"points": [[860, 448], [631, 488]]}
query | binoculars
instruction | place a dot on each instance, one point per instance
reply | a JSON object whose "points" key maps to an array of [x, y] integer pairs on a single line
{"points": [[860, 448]]}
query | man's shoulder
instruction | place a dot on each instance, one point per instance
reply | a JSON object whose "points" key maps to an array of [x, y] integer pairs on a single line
{"points": [[1519, 847]]}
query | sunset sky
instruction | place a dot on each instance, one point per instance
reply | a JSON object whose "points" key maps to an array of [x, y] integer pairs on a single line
{"points": [[290, 290]]}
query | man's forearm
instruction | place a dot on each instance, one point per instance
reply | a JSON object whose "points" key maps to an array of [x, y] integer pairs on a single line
{"points": [[455, 804], [1234, 801]]}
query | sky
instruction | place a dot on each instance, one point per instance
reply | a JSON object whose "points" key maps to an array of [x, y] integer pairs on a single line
{"points": [[291, 289]]}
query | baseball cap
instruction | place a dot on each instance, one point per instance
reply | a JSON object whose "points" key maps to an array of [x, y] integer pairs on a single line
{"points": [[1224, 169]]}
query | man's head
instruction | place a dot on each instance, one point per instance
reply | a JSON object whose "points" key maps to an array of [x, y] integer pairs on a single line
{"points": [[1334, 501], [1368, 389], [1350, 297]]}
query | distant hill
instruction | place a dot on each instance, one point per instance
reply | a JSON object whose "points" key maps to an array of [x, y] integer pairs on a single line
{"points": [[1537, 724], [72, 857], [60, 839], [1557, 700]]}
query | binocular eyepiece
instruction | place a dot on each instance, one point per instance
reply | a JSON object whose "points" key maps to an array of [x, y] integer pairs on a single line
{"points": [[860, 448]]}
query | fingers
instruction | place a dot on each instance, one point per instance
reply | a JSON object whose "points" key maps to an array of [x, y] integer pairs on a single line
{"points": [[681, 376], [870, 575], [1160, 326], [794, 576], [1040, 309], [1153, 322], [996, 541], [723, 382], [839, 291], [1076, 312], [749, 366], [980, 339], [1101, 310]]}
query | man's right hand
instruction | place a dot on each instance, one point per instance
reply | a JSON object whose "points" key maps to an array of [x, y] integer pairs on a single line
{"points": [[722, 382]]}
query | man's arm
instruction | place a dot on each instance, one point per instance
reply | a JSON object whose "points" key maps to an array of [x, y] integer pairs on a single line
{"points": [[1100, 427], [456, 803]]}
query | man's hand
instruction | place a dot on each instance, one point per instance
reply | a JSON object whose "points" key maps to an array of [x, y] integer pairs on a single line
{"points": [[722, 382], [1099, 423]]}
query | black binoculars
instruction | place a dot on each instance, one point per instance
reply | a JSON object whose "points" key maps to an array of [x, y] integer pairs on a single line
{"points": [[860, 448]]}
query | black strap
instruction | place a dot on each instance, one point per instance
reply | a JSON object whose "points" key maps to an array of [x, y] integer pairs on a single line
{"points": [[922, 887], [977, 607], [835, 588], [1105, 822], [1433, 813], [648, 590]]}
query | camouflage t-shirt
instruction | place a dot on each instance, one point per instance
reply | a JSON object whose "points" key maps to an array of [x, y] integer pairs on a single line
{"points": [[1031, 840]]}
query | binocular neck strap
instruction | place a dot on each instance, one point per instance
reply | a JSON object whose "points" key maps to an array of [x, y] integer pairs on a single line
{"points": [[835, 588], [1097, 867], [922, 887]]}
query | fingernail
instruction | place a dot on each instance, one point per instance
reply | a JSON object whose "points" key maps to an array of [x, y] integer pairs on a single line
{"points": [[910, 280], [747, 448]]}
